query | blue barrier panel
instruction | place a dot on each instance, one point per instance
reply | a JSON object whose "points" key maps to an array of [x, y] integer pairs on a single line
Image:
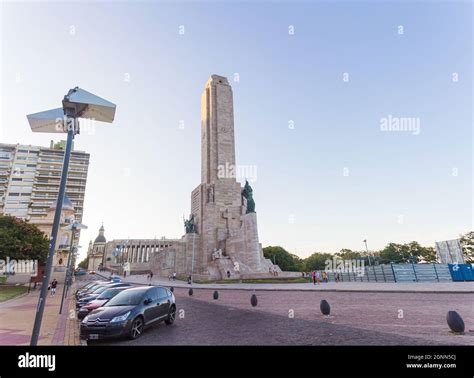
{"points": [[461, 272], [467, 272]]}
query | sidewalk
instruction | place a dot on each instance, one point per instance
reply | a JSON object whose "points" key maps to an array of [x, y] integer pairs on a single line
{"points": [[17, 318], [389, 287]]}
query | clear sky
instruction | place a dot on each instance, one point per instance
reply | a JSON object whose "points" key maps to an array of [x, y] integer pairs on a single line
{"points": [[328, 176]]}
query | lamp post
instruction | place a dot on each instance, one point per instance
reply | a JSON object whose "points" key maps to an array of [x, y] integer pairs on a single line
{"points": [[77, 103], [192, 261], [73, 264], [367, 249], [73, 227]]}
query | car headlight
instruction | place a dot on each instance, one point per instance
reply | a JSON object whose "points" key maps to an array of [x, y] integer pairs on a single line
{"points": [[85, 319], [120, 318]]}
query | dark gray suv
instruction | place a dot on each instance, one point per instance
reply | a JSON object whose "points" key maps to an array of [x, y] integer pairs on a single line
{"points": [[129, 313]]}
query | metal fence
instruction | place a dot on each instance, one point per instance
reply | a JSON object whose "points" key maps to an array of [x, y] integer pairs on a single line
{"points": [[395, 273]]}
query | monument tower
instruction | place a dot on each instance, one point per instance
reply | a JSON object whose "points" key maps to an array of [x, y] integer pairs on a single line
{"points": [[226, 239]]}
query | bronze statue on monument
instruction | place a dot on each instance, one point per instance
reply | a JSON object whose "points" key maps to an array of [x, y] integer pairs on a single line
{"points": [[247, 193], [190, 225]]}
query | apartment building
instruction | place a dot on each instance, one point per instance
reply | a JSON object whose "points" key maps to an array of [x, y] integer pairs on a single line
{"points": [[30, 176]]}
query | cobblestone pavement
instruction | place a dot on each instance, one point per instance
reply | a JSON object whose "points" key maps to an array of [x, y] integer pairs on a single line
{"points": [[356, 319]]}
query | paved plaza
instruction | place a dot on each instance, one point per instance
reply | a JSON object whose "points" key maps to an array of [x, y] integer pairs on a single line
{"points": [[292, 317], [286, 314]]}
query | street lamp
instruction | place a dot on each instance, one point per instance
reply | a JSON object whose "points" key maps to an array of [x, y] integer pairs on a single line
{"points": [[367, 249], [73, 227], [77, 103]]}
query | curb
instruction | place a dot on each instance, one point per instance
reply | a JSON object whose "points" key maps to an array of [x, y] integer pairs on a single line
{"points": [[311, 290]]}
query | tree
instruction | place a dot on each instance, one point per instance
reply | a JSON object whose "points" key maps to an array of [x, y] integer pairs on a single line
{"points": [[285, 260], [421, 254], [21, 240], [317, 261], [406, 253], [348, 254], [467, 244], [84, 263], [393, 252]]}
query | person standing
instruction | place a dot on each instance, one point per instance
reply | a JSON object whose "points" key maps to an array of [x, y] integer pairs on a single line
{"points": [[54, 283], [325, 277], [318, 277], [313, 276], [151, 276]]}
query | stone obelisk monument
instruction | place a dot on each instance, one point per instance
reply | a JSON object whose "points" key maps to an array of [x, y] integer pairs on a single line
{"points": [[226, 240]]}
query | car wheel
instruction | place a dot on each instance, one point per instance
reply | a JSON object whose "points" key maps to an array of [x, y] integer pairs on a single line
{"points": [[171, 316], [136, 329]]}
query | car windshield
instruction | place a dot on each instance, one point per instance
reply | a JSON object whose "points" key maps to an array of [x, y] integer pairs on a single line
{"points": [[126, 298], [109, 293], [93, 287], [100, 289]]}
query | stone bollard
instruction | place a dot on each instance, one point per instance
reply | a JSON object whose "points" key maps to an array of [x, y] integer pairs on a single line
{"points": [[190, 292], [253, 300], [455, 322], [325, 308], [216, 295]]}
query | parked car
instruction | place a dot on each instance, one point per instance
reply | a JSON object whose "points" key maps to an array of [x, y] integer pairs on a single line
{"points": [[92, 272], [101, 300], [90, 288], [115, 279], [89, 296], [80, 272], [129, 313]]}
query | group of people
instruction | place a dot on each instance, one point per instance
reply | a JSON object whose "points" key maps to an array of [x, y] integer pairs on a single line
{"points": [[150, 276], [273, 271], [317, 277]]}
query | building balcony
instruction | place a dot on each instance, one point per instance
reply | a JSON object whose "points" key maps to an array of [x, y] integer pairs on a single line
{"points": [[48, 174]]}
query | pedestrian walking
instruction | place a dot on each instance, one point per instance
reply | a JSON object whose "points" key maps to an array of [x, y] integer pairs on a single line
{"points": [[318, 277], [325, 277], [313, 276], [54, 283], [174, 276], [151, 276]]}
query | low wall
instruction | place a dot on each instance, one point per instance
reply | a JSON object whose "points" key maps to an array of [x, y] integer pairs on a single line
{"points": [[18, 278]]}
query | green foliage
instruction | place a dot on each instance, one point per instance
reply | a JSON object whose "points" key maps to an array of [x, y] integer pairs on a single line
{"points": [[285, 260], [317, 261], [9, 292], [467, 243], [84, 263], [347, 254], [406, 253], [22, 240], [393, 252]]}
